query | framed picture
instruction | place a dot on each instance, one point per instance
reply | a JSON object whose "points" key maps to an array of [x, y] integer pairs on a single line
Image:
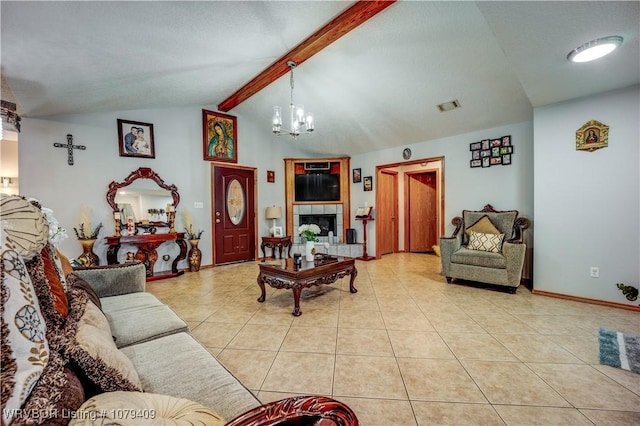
{"points": [[277, 231], [485, 144], [368, 183], [357, 175], [475, 146], [485, 153], [496, 143], [495, 161], [506, 159], [271, 176], [495, 151], [476, 163], [219, 136], [135, 139], [506, 140], [475, 155], [485, 162], [591, 136]]}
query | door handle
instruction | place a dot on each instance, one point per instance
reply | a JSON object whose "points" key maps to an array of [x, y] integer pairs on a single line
{"points": [[217, 214], [217, 220]]}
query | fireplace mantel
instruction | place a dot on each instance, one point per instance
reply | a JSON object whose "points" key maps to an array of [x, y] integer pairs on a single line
{"points": [[318, 207]]}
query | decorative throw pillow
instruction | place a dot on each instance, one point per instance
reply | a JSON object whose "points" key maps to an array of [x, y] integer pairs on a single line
{"points": [[145, 408], [66, 264], [57, 394], [25, 224], [92, 348], [74, 281], [46, 299], [485, 242], [55, 278], [25, 350], [484, 226]]}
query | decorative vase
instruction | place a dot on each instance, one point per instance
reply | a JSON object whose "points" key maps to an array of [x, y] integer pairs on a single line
{"points": [[88, 257], [310, 251], [195, 256]]}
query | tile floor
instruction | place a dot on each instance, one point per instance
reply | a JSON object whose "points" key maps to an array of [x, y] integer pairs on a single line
{"points": [[408, 349]]}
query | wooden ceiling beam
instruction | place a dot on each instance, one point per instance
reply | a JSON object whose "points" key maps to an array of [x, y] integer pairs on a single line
{"points": [[348, 20]]}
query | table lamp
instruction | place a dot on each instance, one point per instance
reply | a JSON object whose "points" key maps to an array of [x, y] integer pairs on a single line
{"points": [[273, 213]]}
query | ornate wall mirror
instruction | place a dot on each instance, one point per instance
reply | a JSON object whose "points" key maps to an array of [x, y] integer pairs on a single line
{"points": [[143, 196]]}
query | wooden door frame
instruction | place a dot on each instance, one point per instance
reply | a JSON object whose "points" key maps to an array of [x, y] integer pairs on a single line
{"points": [[379, 172], [212, 184], [440, 190], [407, 176]]}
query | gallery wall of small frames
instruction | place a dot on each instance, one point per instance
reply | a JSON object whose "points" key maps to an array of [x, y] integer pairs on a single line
{"points": [[491, 152]]}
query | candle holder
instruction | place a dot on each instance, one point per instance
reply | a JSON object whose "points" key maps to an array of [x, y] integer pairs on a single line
{"points": [[116, 218], [171, 218]]}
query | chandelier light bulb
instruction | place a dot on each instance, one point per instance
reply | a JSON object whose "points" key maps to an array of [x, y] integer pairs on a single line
{"points": [[277, 120], [595, 49]]}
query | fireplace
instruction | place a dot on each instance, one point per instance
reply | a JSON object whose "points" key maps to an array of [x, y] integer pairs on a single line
{"points": [[326, 222]]}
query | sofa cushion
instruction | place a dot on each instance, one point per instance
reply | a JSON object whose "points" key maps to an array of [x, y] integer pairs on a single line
{"points": [[485, 242], [139, 317], [92, 348], [479, 258], [135, 408], [24, 347], [178, 365], [74, 281], [25, 224]]}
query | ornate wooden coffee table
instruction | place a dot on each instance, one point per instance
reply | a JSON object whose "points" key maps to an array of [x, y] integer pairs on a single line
{"points": [[325, 270]]}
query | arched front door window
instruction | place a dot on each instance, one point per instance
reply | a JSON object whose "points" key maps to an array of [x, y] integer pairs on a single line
{"points": [[235, 202]]}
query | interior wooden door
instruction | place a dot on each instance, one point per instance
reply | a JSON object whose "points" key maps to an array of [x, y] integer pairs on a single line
{"points": [[421, 204], [233, 214], [387, 212]]}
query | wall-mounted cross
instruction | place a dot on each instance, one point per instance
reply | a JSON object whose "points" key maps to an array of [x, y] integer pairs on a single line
{"points": [[70, 147]]}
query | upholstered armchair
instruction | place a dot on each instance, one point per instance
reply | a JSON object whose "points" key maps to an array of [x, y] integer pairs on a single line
{"points": [[486, 246]]}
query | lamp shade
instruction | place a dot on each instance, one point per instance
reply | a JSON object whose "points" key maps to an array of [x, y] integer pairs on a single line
{"points": [[273, 212]]}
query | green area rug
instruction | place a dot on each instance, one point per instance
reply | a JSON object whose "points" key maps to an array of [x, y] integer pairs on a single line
{"points": [[619, 350]]}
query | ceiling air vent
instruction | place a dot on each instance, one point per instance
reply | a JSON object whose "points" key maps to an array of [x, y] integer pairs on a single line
{"points": [[448, 106]]}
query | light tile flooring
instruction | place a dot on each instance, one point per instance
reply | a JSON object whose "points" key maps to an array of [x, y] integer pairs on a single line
{"points": [[409, 349]]}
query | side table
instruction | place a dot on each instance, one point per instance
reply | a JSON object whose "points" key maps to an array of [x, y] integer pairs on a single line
{"points": [[275, 242]]}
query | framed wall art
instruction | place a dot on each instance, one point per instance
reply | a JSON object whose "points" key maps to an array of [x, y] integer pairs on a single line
{"points": [[271, 176], [357, 175], [491, 152], [219, 136], [368, 183], [277, 231], [135, 139], [591, 136]]}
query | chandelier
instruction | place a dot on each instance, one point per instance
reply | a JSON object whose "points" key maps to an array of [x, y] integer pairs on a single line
{"points": [[298, 118]]}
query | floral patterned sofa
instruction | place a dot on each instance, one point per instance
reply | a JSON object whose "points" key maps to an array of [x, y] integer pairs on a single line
{"points": [[486, 246], [90, 346]]}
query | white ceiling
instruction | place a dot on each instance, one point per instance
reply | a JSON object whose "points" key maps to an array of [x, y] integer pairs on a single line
{"points": [[376, 87]]}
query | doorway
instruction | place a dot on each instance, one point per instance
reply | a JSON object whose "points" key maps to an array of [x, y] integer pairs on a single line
{"points": [[409, 210], [233, 216], [387, 212], [421, 212]]}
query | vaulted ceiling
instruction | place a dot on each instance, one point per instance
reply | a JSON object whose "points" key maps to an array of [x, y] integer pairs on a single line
{"points": [[375, 87]]}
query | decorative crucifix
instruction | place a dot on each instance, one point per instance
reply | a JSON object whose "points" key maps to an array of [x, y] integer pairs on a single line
{"points": [[70, 147]]}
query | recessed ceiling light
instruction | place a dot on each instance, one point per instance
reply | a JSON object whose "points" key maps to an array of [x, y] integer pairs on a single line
{"points": [[448, 106], [595, 49]]}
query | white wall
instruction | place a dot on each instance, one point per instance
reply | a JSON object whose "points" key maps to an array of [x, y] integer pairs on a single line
{"points": [[45, 175], [505, 187], [587, 203]]}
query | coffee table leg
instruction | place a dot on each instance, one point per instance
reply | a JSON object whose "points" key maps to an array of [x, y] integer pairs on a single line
{"points": [[261, 284], [354, 273], [296, 302]]}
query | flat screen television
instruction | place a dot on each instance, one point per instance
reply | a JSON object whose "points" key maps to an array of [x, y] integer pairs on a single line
{"points": [[317, 187]]}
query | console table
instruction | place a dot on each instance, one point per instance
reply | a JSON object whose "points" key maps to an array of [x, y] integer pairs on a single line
{"points": [[275, 242], [147, 253]]}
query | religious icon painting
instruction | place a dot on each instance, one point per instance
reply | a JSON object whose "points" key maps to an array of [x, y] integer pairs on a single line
{"points": [[135, 139], [591, 136], [219, 137]]}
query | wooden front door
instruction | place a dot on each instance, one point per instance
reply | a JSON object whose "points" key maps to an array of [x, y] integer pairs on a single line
{"points": [[422, 204], [233, 214], [387, 212]]}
